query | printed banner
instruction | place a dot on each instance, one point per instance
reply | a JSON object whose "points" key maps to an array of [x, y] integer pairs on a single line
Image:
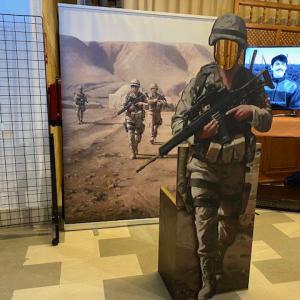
{"points": [[105, 55]]}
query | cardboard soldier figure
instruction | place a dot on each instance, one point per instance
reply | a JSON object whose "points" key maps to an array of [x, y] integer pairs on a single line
{"points": [[135, 116], [156, 102], [217, 168], [80, 101]]}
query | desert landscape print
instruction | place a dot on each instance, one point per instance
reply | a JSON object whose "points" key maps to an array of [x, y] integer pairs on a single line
{"points": [[100, 180]]}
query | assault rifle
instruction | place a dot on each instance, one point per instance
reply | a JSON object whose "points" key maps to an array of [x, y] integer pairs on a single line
{"points": [[130, 101], [220, 101]]}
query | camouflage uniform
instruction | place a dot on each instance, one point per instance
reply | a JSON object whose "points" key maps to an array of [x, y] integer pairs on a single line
{"points": [[80, 100], [134, 121], [155, 103], [217, 172]]}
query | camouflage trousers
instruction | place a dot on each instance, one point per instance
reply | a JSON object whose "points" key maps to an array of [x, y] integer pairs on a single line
{"points": [[155, 121], [217, 192], [135, 128], [80, 111]]}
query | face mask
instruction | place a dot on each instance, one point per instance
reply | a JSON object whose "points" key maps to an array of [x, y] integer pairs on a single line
{"points": [[227, 53]]}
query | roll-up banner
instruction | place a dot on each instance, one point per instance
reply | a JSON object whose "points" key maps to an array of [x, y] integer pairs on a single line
{"points": [[105, 54]]}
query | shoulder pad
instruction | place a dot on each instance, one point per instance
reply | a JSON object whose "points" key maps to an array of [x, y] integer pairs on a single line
{"points": [[202, 75], [208, 68], [188, 92]]}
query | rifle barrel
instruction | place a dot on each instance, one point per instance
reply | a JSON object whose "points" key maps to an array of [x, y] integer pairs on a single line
{"points": [[147, 163]]}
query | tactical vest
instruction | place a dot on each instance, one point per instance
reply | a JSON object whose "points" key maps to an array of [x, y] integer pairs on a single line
{"points": [[134, 109], [156, 106], [212, 149], [80, 99]]}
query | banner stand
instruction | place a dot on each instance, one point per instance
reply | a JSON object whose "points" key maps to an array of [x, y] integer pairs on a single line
{"points": [[109, 224], [101, 186]]}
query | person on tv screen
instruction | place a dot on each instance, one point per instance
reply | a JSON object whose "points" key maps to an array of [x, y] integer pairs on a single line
{"points": [[286, 94]]}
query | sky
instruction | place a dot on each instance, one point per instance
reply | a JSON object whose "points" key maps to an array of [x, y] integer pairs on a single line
{"points": [[99, 24]]}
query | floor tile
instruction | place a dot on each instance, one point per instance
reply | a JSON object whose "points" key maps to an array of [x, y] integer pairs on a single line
{"points": [[78, 236], [292, 230], [262, 251], [67, 251], [80, 291], [100, 269], [113, 233], [147, 287], [294, 216]]}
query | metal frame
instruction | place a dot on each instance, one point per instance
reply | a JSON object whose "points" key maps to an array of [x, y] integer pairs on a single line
{"points": [[25, 175]]}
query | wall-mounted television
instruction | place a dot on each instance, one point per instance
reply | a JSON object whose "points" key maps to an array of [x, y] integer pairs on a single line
{"points": [[283, 64]]}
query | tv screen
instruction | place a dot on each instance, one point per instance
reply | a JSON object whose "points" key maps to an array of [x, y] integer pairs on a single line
{"points": [[283, 64]]}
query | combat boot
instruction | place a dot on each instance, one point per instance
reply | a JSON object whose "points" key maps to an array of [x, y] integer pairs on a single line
{"points": [[209, 282], [133, 156]]}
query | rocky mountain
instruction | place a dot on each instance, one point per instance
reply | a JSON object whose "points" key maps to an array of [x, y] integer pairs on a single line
{"points": [[103, 67]]}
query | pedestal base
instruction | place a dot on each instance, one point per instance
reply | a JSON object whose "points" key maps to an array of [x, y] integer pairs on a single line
{"points": [[178, 260]]}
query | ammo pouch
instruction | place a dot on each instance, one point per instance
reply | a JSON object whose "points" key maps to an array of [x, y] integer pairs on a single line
{"points": [[239, 148], [250, 147], [234, 151], [213, 152], [139, 114]]}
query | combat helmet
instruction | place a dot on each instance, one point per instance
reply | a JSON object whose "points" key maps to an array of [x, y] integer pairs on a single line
{"points": [[229, 27], [135, 82], [153, 86]]}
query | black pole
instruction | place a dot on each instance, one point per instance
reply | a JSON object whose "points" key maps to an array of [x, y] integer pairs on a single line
{"points": [[55, 214]]}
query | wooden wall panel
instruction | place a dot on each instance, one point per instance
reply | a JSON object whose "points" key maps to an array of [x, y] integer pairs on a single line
{"points": [[196, 7], [219, 7]]}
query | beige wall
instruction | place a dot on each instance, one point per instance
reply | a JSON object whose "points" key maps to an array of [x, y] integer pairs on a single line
{"points": [[216, 8], [197, 7]]}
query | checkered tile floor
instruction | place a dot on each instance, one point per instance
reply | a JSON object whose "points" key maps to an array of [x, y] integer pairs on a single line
{"points": [[121, 263]]}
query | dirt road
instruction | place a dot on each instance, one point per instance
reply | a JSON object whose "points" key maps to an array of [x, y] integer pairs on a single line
{"points": [[100, 180]]}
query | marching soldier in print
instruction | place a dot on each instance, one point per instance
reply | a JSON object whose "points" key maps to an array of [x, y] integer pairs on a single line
{"points": [[156, 102], [135, 116], [80, 101]]}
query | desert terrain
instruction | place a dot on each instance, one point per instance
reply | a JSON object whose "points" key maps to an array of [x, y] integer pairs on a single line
{"points": [[100, 181]]}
